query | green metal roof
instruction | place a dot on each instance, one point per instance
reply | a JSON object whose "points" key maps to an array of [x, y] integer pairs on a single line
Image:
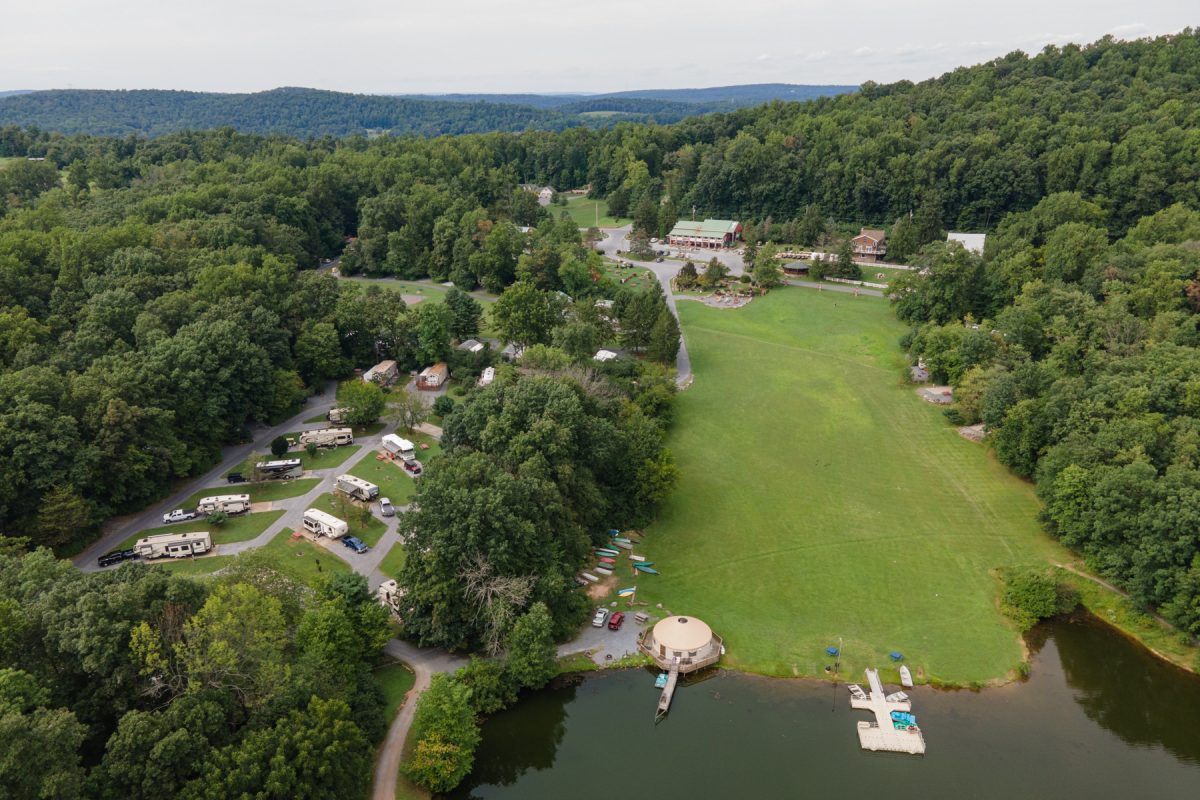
{"points": [[716, 228]]}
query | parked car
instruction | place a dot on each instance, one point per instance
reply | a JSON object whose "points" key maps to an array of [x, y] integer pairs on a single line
{"points": [[354, 543], [412, 465], [614, 622], [235, 477], [659, 259], [178, 515], [386, 508], [116, 557], [599, 619]]}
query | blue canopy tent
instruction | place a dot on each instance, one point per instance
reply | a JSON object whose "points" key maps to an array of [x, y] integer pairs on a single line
{"points": [[895, 656], [831, 650]]}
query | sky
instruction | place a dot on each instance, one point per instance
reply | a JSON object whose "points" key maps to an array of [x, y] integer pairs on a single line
{"points": [[401, 46]]}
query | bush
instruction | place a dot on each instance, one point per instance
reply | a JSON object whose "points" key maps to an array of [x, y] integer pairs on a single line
{"points": [[311, 448], [458, 391], [954, 416], [443, 406], [217, 518], [446, 733], [744, 277], [279, 446], [1031, 596]]}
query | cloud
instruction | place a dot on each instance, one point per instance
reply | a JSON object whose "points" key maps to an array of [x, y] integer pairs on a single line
{"points": [[764, 57]]}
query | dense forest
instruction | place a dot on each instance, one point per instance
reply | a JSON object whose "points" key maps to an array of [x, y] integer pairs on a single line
{"points": [[312, 113]]}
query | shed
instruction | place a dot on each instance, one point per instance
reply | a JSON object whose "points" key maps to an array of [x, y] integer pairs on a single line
{"points": [[433, 377]]}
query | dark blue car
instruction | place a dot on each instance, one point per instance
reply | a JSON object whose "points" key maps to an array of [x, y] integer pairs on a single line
{"points": [[356, 544]]}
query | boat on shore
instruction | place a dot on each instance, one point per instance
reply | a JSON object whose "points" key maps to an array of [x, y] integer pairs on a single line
{"points": [[646, 569], [906, 678]]}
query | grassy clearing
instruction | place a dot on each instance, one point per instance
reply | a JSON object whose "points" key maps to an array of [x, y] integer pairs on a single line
{"points": [[300, 559], [259, 492], [393, 562], [584, 209], [820, 498], [315, 418], [238, 529], [393, 482], [363, 525], [196, 567], [395, 678], [636, 277], [326, 458]]}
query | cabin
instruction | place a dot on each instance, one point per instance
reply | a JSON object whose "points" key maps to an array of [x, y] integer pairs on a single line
{"points": [[711, 234], [434, 377], [545, 194], [870, 244], [384, 373], [971, 242]]}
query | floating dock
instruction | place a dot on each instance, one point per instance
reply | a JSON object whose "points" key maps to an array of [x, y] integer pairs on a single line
{"points": [[881, 734]]}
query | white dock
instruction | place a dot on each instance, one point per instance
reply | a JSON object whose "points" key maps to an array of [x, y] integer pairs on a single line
{"points": [[881, 734]]}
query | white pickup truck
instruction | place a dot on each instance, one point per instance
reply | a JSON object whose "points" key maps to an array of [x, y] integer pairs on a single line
{"points": [[178, 515]]}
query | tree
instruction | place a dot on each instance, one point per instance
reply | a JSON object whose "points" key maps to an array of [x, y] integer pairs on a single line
{"points": [[63, 517], [715, 272], [39, 746], [364, 402], [446, 734], [845, 266], [664, 338], [319, 353], [750, 254], [531, 658], [903, 242], [279, 446], [434, 324], [526, 315], [686, 278], [408, 411], [466, 312], [443, 406], [765, 271], [811, 228]]}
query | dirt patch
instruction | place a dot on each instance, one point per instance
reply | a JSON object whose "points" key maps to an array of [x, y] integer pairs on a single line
{"points": [[726, 301], [973, 432], [938, 395], [264, 505], [412, 299]]}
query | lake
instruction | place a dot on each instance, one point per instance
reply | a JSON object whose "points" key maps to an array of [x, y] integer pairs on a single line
{"points": [[1099, 717]]}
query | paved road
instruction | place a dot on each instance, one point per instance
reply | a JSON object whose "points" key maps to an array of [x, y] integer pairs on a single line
{"points": [[424, 662]]}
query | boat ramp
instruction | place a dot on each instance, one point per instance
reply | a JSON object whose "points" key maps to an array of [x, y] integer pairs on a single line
{"points": [[883, 733]]}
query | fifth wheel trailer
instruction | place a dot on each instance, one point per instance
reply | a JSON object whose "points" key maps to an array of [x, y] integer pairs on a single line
{"points": [[328, 437], [173, 545], [357, 488], [324, 524], [229, 503]]}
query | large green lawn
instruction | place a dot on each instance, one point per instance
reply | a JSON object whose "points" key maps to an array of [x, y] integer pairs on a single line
{"points": [[584, 210], [240, 528], [259, 492], [393, 562], [394, 483], [820, 498]]}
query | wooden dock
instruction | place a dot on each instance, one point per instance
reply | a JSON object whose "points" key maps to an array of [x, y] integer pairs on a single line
{"points": [[664, 700], [881, 734]]}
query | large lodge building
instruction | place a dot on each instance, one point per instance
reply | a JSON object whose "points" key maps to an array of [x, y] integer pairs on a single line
{"points": [[711, 234]]}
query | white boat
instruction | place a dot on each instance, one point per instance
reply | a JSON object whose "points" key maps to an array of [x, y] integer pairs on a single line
{"points": [[587, 576], [906, 678], [632, 557], [623, 545], [603, 571], [896, 697]]}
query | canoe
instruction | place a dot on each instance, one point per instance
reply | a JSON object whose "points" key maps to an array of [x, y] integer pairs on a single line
{"points": [[587, 576], [644, 564], [645, 569], [606, 560], [906, 678], [621, 540], [604, 551], [624, 545], [632, 557], [603, 571]]}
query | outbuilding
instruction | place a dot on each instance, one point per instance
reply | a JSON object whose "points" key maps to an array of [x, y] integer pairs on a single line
{"points": [[972, 242], [472, 346], [433, 377], [383, 373], [685, 642]]}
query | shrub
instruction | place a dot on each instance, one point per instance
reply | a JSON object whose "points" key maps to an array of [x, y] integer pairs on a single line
{"points": [[279, 446], [458, 391], [311, 448], [1031, 596], [443, 406], [217, 518]]}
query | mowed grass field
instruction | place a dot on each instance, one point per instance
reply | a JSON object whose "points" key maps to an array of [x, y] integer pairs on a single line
{"points": [[584, 211], [820, 498]]}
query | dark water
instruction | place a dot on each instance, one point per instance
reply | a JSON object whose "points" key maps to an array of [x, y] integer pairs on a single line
{"points": [[1098, 718]]}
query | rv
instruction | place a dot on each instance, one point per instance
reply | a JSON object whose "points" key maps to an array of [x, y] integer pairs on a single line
{"points": [[323, 524], [173, 545], [229, 503], [397, 446], [337, 415], [327, 437], [357, 488], [284, 469]]}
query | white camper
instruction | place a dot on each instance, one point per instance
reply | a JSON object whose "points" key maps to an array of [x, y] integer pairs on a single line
{"points": [[337, 415], [324, 524], [357, 488], [173, 545], [327, 437], [397, 446], [284, 469], [229, 503]]}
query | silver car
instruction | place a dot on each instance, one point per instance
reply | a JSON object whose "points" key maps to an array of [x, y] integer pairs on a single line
{"points": [[386, 508]]}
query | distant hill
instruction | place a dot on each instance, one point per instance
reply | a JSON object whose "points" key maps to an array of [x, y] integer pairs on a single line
{"points": [[308, 113], [11, 92]]}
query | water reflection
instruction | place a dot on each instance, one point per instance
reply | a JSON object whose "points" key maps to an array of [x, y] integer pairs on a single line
{"points": [[1125, 689], [1098, 718]]}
